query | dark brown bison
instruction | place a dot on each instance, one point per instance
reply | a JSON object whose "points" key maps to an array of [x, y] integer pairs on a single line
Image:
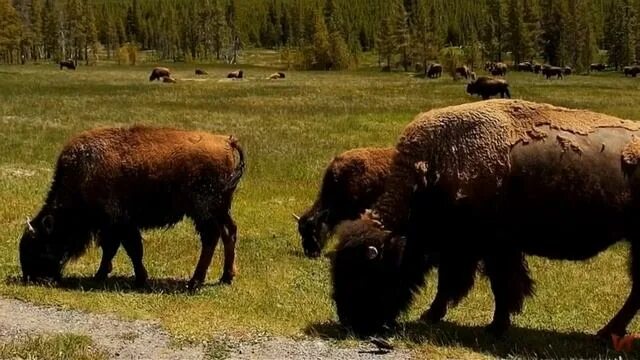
{"points": [[549, 71], [631, 70], [435, 71], [537, 68], [525, 66], [168, 79], [351, 183], [276, 76], [487, 87], [69, 64], [567, 70], [238, 74], [112, 183], [463, 71], [501, 179], [158, 73], [597, 67], [496, 69], [201, 72]]}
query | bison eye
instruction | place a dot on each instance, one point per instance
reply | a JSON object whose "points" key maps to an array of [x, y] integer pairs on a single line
{"points": [[372, 252]]}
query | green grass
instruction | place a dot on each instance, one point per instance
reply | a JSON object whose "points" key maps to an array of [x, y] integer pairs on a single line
{"points": [[59, 347], [290, 129]]}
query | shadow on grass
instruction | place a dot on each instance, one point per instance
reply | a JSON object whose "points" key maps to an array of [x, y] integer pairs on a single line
{"points": [[118, 284], [519, 342]]}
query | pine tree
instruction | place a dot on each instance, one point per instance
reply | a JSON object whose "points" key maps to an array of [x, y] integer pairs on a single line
{"points": [[91, 32], [37, 29], [554, 36], [532, 24], [321, 45], [10, 31], [401, 36], [424, 35], [52, 31], [494, 32], [517, 35], [586, 36], [385, 43]]}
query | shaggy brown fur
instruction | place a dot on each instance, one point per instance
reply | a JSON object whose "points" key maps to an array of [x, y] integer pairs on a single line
{"points": [[434, 71], [487, 87], [112, 183], [351, 183], [549, 71], [569, 177], [158, 73], [69, 64], [496, 69]]}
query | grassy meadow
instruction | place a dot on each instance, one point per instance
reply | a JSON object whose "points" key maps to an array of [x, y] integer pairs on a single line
{"points": [[289, 129]]}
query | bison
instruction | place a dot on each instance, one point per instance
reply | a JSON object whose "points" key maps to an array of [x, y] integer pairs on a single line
{"points": [[567, 70], [111, 183], [238, 74], [352, 181], [631, 70], [434, 71], [168, 79], [158, 73], [501, 179], [201, 72], [597, 67], [463, 71], [496, 69], [549, 71], [276, 76], [487, 87], [537, 68], [69, 64], [525, 66]]}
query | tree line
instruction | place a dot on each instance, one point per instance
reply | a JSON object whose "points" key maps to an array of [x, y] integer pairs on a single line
{"points": [[325, 34]]}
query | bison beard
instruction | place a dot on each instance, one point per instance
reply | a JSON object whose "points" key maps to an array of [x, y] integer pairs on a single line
{"points": [[110, 184], [520, 178], [351, 183]]}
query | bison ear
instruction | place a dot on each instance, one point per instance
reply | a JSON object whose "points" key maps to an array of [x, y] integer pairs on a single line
{"points": [[47, 223], [372, 252]]}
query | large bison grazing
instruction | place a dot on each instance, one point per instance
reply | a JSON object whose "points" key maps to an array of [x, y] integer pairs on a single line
{"points": [[549, 71], [434, 71], [201, 72], [112, 183], [487, 87], [597, 67], [501, 179], [69, 64], [238, 74], [525, 66], [496, 69], [352, 182], [159, 73], [463, 71]]}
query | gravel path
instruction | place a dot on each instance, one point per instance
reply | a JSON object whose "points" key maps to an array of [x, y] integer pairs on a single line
{"points": [[146, 340]]}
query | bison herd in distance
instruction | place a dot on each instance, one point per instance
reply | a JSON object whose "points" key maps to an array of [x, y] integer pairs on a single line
{"points": [[524, 178]]}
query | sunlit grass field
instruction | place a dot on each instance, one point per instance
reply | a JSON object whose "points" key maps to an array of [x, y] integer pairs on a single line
{"points": [[289, 129]]}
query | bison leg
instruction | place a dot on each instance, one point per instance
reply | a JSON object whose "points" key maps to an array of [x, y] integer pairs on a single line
{"points": [[485, 96], [618, 325], [109, 244], [510, 283], [132, 243], [456, 277], [209, 236], [229, 237]]}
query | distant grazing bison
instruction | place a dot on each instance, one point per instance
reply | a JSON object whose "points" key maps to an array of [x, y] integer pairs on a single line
{"points": [[537, 68], [201, 72], [597, 67], [631, 70], [69, 64], [434, 71], [351, 183], [525, 66], [238, 74], [567, 70], [487, 87], [463, 71], [168, 79], [159, 72], [549, 71], [496, 69], [501, 179], [112, 183]]}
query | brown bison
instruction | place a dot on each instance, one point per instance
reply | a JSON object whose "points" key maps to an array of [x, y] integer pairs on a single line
{"points": [[597, 67], [496, 69], [631, 70], [487, 87], [201, 72], [69, 64], [463, 71], [525, 66], [276, 76], [238, 74], [434, 71], [567, 70], [501, 179], [112, 183], [351, 183], [549, 71], [537, 68], [168, 79], [158, 73]]}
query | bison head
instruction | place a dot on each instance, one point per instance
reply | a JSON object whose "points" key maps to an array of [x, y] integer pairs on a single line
{"points": [[314, 231], [42, 255], [471, 87], [367, 273]]}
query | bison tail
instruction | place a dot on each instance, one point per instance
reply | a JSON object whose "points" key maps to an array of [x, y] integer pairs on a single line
{"points": [[239, 170]]}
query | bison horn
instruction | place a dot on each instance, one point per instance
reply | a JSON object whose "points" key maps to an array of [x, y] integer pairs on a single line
{"points": [[296, 217], [31, 229], [372, 252]]}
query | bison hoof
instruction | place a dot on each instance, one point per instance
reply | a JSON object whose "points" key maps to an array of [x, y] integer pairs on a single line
{"points": [[193, 285], [498, 328], [226, 279], [606, 332], [100, 276]]}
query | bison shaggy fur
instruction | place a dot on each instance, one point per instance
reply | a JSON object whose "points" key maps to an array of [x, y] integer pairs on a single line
{"points": [[109, 184], [352, 182], [487, 87], [434, 71], [631, 70], [69, 64], [158, 73], [501, 179]]}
